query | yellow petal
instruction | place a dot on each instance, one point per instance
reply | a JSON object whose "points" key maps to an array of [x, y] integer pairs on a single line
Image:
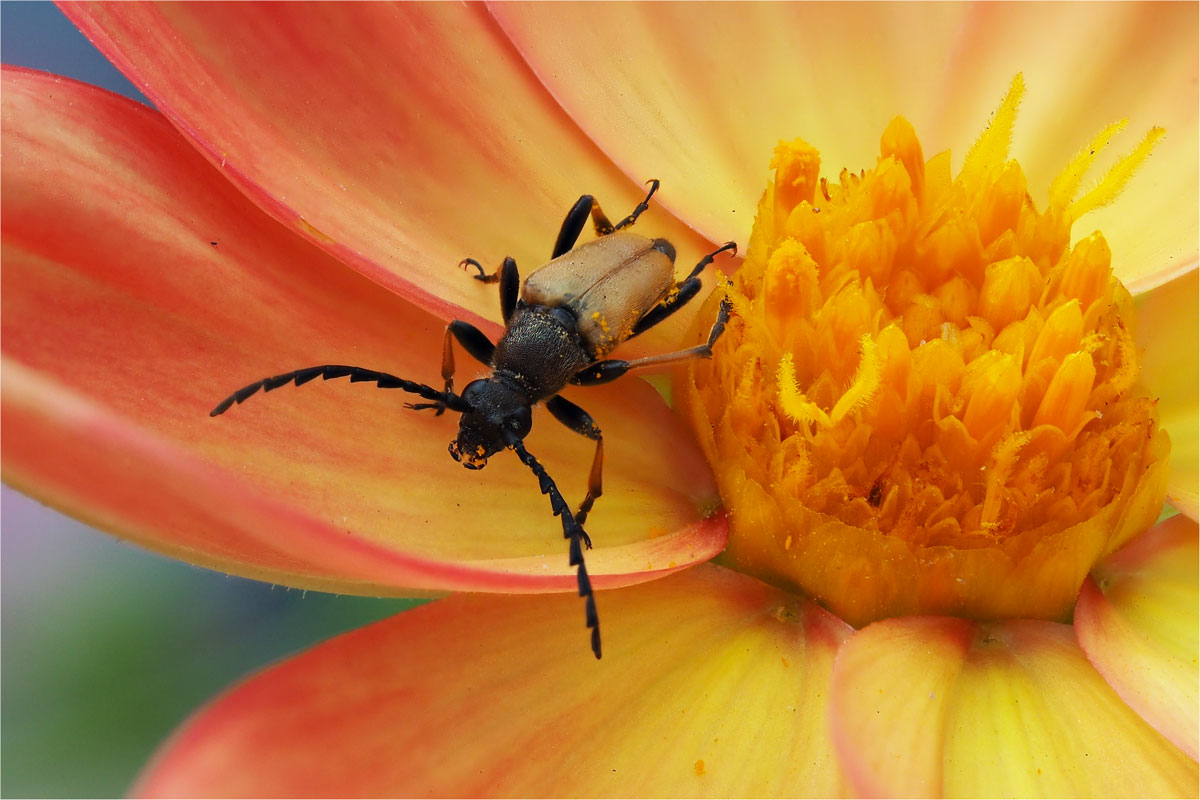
{"points": [[1167, 338], [1137, 620], [942, 706], [711, 685]]}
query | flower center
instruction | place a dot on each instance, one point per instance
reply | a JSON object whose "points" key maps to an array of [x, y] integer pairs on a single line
{"points": [[925, 401]]}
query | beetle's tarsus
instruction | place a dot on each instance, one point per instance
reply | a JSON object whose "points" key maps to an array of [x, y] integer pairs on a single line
{"points": [[640, 208], [483, 276], [440, 408]]}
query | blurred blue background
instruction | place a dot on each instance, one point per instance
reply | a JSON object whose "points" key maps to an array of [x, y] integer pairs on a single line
{"points": [[105, 648]]}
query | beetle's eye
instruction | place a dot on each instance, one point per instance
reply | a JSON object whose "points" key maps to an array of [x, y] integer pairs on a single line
{"points": [[521, 421]]}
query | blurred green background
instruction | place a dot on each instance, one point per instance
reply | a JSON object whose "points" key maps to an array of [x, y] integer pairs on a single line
{"points": [[105, 648]]}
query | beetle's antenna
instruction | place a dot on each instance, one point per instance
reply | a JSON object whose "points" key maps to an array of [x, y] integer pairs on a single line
{"points": [[356, 375], [572, 530]]}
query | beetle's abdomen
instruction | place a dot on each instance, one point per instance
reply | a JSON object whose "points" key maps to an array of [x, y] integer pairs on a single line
{"points": [[608, 283], [541, 350]]}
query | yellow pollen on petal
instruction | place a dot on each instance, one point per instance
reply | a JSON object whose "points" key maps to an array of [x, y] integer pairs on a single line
{"points": [[924, 400]]}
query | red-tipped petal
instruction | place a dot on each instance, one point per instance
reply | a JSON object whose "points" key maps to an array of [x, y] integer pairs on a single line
{"points": [[1137, 620], [712, 684], [702, 93], [400, 138], [940, 706], [140, 288]]}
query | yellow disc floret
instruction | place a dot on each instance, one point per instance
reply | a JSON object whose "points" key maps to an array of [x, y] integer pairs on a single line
{"points": [[924, 402]]}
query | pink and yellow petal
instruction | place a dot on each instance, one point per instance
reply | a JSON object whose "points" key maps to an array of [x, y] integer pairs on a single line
{"points": [[702, 94], [942, 706], [140, 288], [1167, 339], [712, 684], [1088, 65], [640, 79], [399, 138], [1137, 620]]}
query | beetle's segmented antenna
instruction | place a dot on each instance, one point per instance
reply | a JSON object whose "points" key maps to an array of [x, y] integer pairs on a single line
{"points": [[329, 371], [572, 531]]}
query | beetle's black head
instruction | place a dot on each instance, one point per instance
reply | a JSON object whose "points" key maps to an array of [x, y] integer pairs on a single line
{"points": [[499, 413]]}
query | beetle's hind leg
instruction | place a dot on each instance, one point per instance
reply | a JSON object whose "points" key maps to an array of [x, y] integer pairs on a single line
{"points": [[582, 423], [508, 278], [611, 369], [640, 207], [586, 206], [681, 293]]}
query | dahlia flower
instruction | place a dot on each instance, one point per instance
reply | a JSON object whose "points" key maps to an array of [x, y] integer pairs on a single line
{"points": [[927, 456]]}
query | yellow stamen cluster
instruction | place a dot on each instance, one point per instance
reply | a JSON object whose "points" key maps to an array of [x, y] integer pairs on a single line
{"points": [[924, 401]]}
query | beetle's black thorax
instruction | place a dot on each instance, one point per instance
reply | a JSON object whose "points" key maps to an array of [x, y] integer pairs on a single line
{"points": [[540, 349]]}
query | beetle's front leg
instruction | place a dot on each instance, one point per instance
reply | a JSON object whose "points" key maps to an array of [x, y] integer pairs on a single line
{"points": [[508, 278], [582, 423], [474, 342]]}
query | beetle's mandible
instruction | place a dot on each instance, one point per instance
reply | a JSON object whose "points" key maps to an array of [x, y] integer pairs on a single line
{"points": [[559, 329]]}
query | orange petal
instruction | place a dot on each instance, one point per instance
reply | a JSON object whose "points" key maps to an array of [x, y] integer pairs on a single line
{"points": [[712, 684], [1137, 620], [940, 706], [1166, 336], [139, 289], [400, 138]]}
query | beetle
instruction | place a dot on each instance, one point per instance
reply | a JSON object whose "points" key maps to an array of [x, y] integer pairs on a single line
{"points": [[559, 329]]}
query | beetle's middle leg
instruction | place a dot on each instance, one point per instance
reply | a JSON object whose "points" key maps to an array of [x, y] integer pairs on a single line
{"points": [[611, 369], [582, 423], [474, 341]]}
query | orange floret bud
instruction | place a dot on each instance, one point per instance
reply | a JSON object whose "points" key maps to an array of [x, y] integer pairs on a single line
{"points": [[924, 403]]}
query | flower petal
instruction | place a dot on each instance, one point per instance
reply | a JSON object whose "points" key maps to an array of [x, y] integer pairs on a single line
{"points": [[712, 684], [942, 706], [399, 138], [1137, 620], [1166, 336], [643, 81], [139, 288]]}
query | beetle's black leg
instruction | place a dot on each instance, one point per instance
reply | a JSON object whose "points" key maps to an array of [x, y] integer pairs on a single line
{"points": [[611, 369], [682, 292], [573, 224], [508, 277], [641, 207], [572, 530], [356, 374], [582, 423], [473, 341]]}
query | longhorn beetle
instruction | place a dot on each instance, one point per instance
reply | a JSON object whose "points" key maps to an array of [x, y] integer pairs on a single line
{"points": [[570, 315]]}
